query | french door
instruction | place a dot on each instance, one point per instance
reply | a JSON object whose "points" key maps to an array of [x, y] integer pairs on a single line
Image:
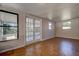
{"points": [[33, 30]]}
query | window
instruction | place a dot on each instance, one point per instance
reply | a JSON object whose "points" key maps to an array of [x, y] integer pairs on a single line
{"points": [[67, 25], [50, 25], [8, 25]]}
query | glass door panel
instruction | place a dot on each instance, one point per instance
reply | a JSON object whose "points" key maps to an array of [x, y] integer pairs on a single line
{"points": [[29, 29], [37, 29]]}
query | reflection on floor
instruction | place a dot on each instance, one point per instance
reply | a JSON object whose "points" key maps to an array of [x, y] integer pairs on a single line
{"points": [[51, 47]]}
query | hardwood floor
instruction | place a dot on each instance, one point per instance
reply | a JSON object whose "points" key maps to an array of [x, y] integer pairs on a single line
{"points": [[51, 47]]}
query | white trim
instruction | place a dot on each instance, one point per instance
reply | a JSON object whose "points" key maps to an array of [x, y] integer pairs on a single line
{"points": [[11, 49]]}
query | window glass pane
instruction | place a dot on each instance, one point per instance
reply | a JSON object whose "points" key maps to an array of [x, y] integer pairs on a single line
{"points": [[29, 36], [37, 23], [31, 20], [66, 27], [50, 25], [10, 33], [7, 17], [29, 25], [9, 24], [27, 19], [37, 35], [66, 23]]}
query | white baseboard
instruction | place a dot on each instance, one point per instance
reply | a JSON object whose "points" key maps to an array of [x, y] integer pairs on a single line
{"points": [[69, 38], [11, 48]]}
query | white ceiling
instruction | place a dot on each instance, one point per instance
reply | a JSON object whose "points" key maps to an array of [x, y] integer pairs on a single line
{"points": [[51, 11]]}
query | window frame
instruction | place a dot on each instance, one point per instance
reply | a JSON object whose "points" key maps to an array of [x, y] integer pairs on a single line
{"points": [[12, 26]]}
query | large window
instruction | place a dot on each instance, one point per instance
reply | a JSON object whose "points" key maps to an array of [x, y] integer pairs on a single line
{"points": [[66, 25], [8, 25]]}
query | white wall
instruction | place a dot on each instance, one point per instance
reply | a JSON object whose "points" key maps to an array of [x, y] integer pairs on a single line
{"points": [[13, 44], [46, 33], [68, 33]]}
